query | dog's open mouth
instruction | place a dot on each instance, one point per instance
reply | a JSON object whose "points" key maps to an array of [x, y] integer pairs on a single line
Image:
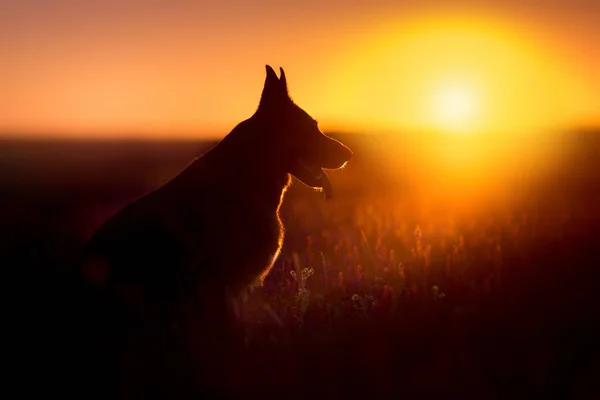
{"points": [[312, 176]]}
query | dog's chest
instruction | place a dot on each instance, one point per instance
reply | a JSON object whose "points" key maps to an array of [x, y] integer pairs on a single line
{"points": [[237, 238]]}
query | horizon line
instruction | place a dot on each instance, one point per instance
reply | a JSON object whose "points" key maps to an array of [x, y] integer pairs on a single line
{"points": [[164, 136]]}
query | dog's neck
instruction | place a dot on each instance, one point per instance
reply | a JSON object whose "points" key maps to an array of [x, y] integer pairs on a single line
{"points": [[238, 166]]}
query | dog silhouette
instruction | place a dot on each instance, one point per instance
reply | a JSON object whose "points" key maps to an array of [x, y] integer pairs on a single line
{"points": [[170, 260]]}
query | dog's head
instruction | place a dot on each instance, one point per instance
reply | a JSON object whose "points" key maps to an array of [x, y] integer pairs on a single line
{"points": [[301, 148]]}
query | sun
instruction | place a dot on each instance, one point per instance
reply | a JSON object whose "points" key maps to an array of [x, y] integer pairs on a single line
{"points": [[454, 107]]}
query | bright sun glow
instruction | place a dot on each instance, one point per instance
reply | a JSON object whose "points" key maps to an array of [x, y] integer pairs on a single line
{"points": [[454, 107], [455, 75]]}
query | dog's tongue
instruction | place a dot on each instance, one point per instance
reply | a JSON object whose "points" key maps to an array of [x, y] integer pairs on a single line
{"points": [[313, 177], [325, 184]]}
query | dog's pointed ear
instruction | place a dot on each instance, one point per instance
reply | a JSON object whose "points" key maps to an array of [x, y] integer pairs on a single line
{"points": [[271, 89], [271, 75], [283, 81]]}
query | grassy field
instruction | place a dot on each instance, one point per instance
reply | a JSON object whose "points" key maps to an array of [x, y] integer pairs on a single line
{"points": [[402, 285]]}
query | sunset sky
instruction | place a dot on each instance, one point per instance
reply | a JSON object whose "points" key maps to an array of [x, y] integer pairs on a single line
{"points": [[196, 68]]}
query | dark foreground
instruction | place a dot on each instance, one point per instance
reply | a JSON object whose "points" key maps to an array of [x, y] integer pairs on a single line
{"points": [[387, 297]]}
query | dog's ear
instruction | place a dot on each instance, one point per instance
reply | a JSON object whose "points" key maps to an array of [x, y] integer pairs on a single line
{"points": [[272, 88], [271, 75], [283, 82]]}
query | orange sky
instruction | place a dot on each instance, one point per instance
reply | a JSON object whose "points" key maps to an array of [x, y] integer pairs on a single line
{"points": [[194, 68]]}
